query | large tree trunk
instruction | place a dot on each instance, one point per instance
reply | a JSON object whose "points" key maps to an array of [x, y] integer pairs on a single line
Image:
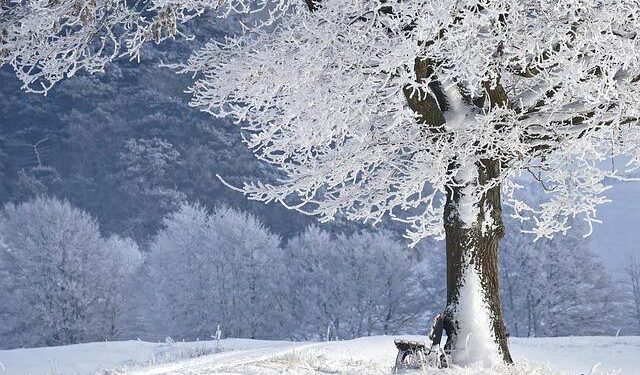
{"points": [[473, 317]]}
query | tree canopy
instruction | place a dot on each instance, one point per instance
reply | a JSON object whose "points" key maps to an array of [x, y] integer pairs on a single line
{"points": [[372, 108]]}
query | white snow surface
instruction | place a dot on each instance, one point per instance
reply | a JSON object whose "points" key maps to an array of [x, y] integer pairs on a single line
{"points": [[475, 338], [370, 355]]}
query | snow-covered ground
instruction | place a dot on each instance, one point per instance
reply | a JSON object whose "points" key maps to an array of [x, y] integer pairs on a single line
{"points": [[371, 355]]}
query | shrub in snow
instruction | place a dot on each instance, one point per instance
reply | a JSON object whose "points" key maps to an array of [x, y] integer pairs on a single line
{"points": [[61, 280]]}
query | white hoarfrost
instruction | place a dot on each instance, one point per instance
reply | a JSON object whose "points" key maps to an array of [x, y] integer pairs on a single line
{"points": [[488, 223], [468, 208], [476, 342]]}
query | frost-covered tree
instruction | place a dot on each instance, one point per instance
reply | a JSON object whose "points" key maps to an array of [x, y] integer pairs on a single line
{"points": [[181, 267], [555, 287], [249, 289], [350, 286], [209, 269], [123, 261], [61, 279], [318, 294], [418, 110], [386, 285]]}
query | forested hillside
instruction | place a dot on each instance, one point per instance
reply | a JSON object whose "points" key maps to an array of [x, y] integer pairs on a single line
{"points": [[125, 145]]}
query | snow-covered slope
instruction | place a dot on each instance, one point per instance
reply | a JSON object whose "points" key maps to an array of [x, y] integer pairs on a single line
{"points": [[371, 355]]}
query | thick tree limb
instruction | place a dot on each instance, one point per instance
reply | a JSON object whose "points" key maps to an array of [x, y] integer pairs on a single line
{"points": [[428, 106]]}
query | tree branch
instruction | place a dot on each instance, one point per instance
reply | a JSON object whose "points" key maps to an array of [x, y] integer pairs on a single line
{"points": [[534, 68], [428, 106]]}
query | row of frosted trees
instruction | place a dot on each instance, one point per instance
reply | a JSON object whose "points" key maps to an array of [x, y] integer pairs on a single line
{"points": [[62, 281], [225, 268]]}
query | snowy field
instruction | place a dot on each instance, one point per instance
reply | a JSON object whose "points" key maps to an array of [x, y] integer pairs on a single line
{"points": [[371, 355]]}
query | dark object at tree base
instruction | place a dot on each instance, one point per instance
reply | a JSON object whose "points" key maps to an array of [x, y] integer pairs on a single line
{"points": [[414, 355]]}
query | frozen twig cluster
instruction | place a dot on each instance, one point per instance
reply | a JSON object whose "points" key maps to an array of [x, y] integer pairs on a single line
{"points": [[48, 40]]}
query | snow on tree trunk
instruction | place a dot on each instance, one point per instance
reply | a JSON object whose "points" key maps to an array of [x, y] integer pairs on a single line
{"points": [[473, 317]]}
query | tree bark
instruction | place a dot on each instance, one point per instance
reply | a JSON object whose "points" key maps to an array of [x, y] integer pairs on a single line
{"points": [[472, 247]]}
